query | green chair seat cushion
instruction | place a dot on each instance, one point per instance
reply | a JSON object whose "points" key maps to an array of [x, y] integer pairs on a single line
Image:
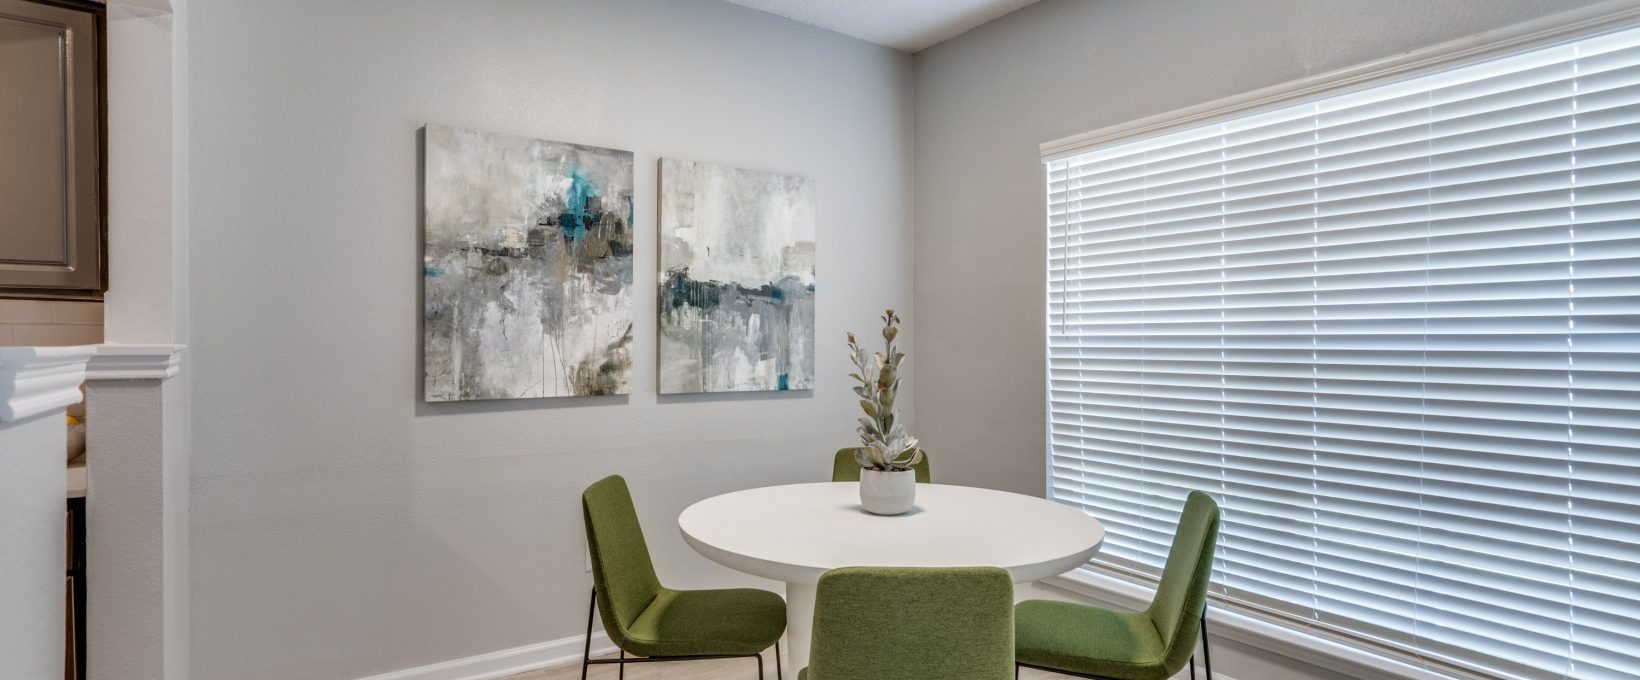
{"points": [[803, 674], [707, 622], [1088, 640]]}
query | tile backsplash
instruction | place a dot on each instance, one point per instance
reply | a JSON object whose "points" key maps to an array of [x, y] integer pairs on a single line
{"points": [[49, 322]]}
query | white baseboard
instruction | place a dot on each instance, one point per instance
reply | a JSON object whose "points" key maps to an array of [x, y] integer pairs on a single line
{"points": [[506, 662]]}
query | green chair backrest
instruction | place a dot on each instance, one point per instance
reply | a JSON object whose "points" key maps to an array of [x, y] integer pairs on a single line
{"points": [[1182, 594], [622, 572], [902, 623], [845, 469]]}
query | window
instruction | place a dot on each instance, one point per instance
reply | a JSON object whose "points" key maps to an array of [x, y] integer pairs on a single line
{"points": [[1396, 332]]}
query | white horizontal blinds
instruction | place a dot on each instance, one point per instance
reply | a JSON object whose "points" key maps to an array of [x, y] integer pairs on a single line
{"points": [[1397, 333], [1603, 349]]}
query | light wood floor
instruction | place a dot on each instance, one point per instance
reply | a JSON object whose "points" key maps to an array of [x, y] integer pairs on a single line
{"points": [[723, 669]]}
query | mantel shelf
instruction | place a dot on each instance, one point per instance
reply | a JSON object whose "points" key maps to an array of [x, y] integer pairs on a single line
{"points": [[36, 380], [134, 362]]}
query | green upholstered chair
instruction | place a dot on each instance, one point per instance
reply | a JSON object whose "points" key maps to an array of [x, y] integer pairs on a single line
{"points": [[649, 620], [845, 469], [1090, 642], [892, 623]]}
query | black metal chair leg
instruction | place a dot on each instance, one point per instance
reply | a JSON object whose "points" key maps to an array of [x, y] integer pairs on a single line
{"points": [[622, 666], [586, 651], [779, 667], [759, 667], [1192, 667], [1207, 656]]}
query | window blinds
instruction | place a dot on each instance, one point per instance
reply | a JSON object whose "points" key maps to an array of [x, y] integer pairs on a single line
{"points": [[1396, 332]]}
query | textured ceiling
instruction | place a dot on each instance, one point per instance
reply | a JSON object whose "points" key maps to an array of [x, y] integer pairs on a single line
{"points": [[908, 25]]}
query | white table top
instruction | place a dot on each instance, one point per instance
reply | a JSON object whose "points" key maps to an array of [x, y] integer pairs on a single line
{"points": [[796, 533]]}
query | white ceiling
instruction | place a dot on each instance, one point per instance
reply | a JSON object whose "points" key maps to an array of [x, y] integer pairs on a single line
{"points": [[908, 25]]}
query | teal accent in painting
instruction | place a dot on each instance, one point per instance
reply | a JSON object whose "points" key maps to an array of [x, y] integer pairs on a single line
{"points": [[431, 271], [574, 218]]}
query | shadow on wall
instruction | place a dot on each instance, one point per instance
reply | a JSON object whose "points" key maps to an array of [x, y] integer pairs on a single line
{"points": [[703, 397]]}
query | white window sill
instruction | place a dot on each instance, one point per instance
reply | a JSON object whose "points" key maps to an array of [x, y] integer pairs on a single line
{"points": [[1251, 631]]}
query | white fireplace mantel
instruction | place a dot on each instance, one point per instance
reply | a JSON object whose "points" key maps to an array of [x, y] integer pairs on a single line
{"points": [[36, 385], [134, 362], [137, 513], [36, 380]]}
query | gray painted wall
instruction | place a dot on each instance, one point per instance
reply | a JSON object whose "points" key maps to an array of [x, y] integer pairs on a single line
{"points": [[340, 527], [988, 98]]}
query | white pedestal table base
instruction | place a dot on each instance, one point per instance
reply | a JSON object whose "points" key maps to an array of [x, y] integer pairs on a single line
{"points": [[799, 626]]}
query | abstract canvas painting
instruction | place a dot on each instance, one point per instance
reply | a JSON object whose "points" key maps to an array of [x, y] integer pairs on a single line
{"points": [[737, 279], [528, 267]]}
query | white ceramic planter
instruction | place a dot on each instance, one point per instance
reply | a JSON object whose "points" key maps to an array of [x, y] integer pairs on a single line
{"points": [[888, 493]]}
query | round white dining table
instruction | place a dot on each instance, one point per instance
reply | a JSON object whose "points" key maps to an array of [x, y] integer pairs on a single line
{"points": [[796, 533]]}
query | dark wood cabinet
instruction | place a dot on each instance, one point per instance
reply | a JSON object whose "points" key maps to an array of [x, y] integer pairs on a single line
{"points": [[52, 148]]}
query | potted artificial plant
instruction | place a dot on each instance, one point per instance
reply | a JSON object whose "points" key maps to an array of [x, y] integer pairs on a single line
{"points": [[888, 485]]}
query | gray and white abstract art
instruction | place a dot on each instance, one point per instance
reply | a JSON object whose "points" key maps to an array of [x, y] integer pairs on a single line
{"points": [[528, 267], [737, 279]]}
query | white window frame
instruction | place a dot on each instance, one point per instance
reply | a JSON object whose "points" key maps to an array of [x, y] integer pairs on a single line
{"points": [[1245, 625]]}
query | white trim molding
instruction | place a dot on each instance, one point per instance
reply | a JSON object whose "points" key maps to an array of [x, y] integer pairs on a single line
{"points": [[1253, 631], [36, 380], [506, 662], [1495, 43], [134, 362]]}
